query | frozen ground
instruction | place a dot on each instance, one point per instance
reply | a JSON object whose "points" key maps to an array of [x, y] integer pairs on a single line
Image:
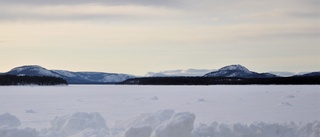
{"points": [[160, 111]]}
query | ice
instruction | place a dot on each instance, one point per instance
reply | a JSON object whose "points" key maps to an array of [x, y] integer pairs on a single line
{"points": [[180, 125], [78, 123], [144, 131], [8, 120], [285, 104], [9, 124], [258, 130], [154, 98], [201, 100], [29, 111], [290, 96], [152, 120], [15, 132]]}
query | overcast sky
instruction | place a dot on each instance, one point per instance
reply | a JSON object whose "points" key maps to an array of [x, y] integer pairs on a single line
{"points": [[138, 36]]}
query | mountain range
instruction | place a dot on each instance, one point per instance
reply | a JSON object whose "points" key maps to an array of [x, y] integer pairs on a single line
{"points": [[201, 72], [242, 72], [71, 77], [179, 72]]}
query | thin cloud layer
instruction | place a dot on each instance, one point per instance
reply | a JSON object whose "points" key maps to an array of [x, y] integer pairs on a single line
{"points": [[157, 35], [88, 11], [105, 2], [196, 11]]}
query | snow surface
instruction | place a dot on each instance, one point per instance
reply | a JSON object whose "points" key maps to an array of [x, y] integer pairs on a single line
{"points": [[160, 111]]}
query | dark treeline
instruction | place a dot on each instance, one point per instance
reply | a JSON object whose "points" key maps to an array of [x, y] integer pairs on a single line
{"points": [[30, 80], [314, 80]]}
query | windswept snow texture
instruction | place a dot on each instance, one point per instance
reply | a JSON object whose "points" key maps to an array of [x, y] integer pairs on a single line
{"points": [[178, 111]]}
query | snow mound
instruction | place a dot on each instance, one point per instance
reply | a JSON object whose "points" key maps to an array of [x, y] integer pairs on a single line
{"points": [[138, 132], [154, 98], [29, 111], [9, 124], [148, 119], [201, 100], [78, 124], [8, 120], [285, 104], [164, 123], [258, 130], [290, 96], [15, 132], [180, 125]]}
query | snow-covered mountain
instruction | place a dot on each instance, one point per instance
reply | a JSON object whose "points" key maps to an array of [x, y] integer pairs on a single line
{"points": [[31, 70], [71, 77], [287, 74], [309, 74], [179, 72], [238, 71], [282, 73]]}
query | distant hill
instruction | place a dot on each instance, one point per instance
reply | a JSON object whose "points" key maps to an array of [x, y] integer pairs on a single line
{"points": [[69, 76], [179, 72], [238, 71], [286, 73], [309, 74]]}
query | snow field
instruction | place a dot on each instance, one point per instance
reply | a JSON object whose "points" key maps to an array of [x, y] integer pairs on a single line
{"points": [[160, 111]]}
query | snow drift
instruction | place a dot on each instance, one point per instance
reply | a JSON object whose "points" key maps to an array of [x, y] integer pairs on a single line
{"points": [[9, 124], [77, 124], [164, 123]]}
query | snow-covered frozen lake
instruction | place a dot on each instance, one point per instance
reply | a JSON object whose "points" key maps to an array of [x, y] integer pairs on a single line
{"points": [[123, 107]]}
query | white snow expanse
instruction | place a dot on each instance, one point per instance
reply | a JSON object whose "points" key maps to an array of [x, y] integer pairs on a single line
{"points": [[160, 111]]}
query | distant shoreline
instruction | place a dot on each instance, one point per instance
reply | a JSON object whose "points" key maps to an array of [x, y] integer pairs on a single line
{"points": [[11, 80], [305, 80]]}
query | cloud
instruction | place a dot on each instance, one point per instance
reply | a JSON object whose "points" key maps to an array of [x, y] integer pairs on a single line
{"points": [[282, 14], [104, 2], [184, 11], [84, 11]]}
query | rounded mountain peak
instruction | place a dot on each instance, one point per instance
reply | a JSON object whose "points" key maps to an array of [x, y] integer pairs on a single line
{"points": [[26, 67], [235, 67]]}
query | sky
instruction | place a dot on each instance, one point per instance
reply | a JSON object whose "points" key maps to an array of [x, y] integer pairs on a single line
{"points": [[139, 36]]}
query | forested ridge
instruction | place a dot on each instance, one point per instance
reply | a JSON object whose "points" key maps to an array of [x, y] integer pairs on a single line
{"points": [[30, 80], [305, 80]]}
